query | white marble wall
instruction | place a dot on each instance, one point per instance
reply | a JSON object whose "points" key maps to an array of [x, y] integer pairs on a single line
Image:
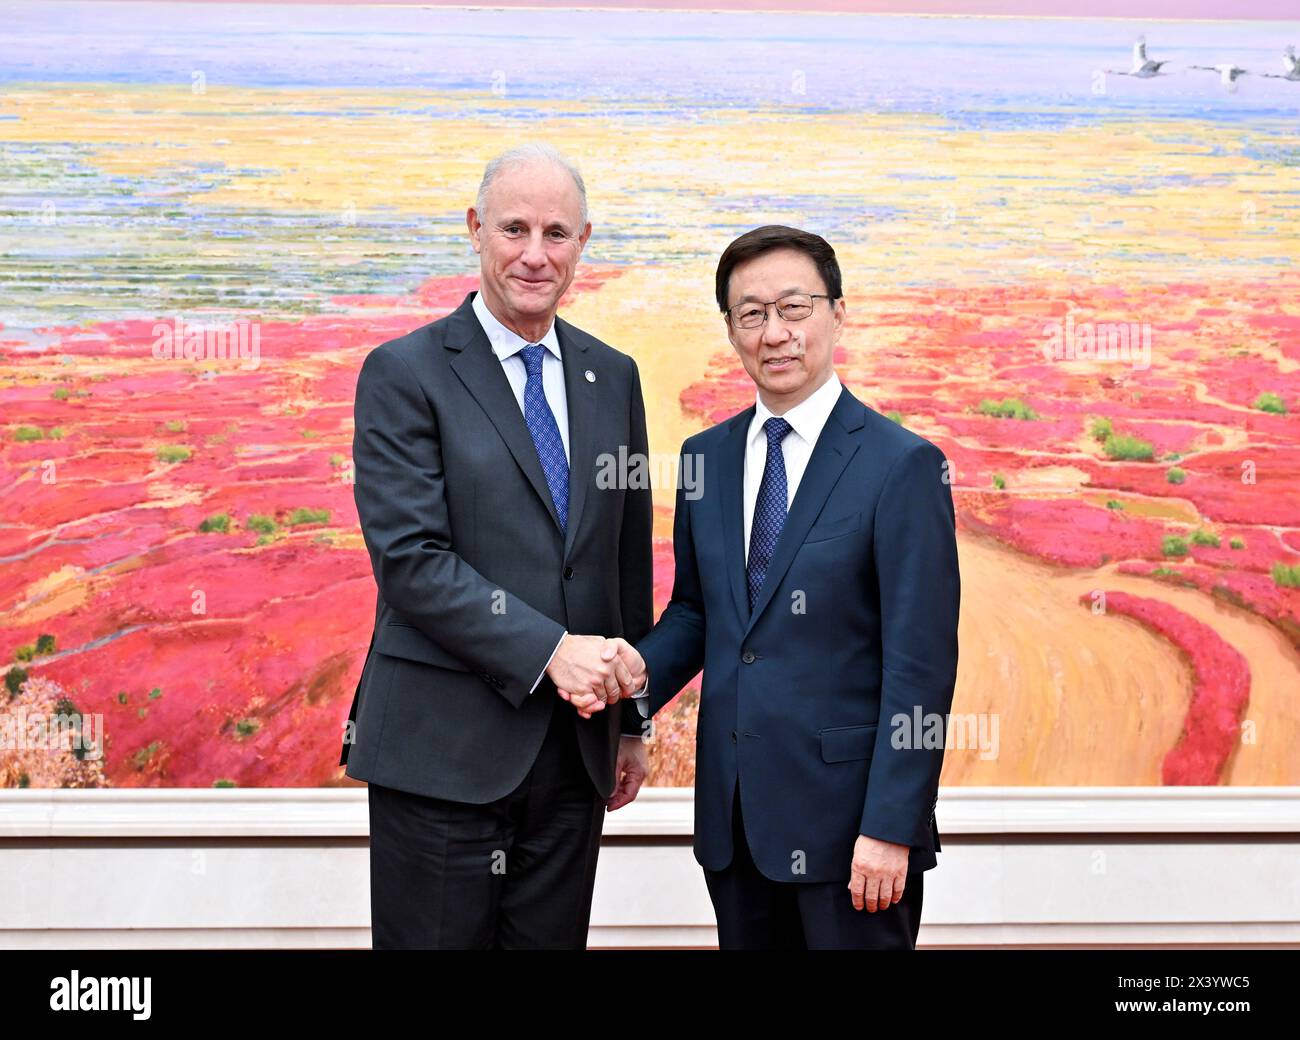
{"points": [[289, 868]]}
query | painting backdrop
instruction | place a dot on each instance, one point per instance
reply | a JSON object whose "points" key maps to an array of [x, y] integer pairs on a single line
{"points": [[1081, 285]]}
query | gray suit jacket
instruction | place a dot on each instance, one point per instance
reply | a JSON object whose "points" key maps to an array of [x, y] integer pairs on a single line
{"points": [[476, 582]]}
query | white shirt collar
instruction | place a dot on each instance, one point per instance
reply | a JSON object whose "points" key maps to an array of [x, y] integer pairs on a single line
{"points": [[505, 342], [807, 417]]}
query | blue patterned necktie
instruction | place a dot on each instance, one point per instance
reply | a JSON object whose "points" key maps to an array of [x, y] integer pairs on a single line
{"points": [[546, 433], [769, 509]]}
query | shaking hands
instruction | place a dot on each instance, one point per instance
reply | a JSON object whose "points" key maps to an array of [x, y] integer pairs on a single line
{"points": [[590, 672]]}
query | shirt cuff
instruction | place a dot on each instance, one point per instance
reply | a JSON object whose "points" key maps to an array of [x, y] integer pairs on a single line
{"points": [[642, 698], [548, 663]]}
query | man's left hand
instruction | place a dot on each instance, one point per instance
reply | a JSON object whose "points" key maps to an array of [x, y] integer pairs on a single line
{"points": [[878, 873], [631, 770]]}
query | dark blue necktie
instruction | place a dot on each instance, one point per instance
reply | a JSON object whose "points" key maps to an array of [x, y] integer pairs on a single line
{"points": [[546, 433], [769, 509]]}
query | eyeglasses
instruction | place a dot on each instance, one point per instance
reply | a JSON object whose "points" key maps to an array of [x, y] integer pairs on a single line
{"points": [[795, 307]]}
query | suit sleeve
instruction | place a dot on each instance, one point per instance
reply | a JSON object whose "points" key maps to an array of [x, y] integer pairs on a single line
{"points": [[401, 499], [920, 590], [674, 649], [636, 550]]}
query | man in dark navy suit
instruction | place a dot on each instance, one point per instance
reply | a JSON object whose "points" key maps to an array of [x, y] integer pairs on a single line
{"points": [[817, 585]]}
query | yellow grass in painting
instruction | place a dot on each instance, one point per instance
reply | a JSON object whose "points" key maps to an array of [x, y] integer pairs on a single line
{"points": [[928, 200]]}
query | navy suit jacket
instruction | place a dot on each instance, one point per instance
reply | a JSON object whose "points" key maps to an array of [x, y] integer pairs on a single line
{"points": [[812, 702]]}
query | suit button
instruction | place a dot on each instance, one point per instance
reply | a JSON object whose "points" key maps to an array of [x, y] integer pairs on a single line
{"points": [[748, 657], [568, 573]]}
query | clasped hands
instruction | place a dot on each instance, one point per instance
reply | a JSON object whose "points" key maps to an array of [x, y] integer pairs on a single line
{"points": [[591, 671]]}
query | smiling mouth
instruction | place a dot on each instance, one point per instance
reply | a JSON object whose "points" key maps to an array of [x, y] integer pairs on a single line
{"points": [[780, 363], [531, 281]]}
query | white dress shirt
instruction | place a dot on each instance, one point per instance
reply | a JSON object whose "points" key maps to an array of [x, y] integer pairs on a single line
{"points": [[806, 419], [506, 345]]}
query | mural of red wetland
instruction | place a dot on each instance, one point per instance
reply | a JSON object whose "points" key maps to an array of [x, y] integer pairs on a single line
{"points": [[1076, 280]]}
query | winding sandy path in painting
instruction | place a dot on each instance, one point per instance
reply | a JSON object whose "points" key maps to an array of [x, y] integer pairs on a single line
{"points": [[1082, 696]]}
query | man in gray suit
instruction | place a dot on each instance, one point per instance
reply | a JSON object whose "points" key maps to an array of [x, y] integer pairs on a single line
{"points": [[476, 450]]}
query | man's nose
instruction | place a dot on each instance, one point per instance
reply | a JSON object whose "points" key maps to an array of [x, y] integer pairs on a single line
{"points": [[774, 329], [534, 254]]}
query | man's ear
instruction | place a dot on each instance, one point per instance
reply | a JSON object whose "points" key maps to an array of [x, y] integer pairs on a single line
{"points": [[839, 317], [475, 228], [582, 239]]}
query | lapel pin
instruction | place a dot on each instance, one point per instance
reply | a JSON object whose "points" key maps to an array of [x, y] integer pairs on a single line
{"points": [[591, 376]]}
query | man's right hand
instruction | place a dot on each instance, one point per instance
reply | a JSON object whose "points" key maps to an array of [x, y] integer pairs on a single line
{"points": [[590, 672]]}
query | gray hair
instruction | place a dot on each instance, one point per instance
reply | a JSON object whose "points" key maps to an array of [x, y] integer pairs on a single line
{"points": [[522, 155]]}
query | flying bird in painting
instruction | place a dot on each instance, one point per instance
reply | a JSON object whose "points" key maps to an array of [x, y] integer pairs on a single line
{"points": [[1143, 67], [1292, 62], [1228, 73]]}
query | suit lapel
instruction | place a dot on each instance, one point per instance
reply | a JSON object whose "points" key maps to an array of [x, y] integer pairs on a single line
{"points": [[832, 452], [731, 488], [580, 399], [481, 372]]}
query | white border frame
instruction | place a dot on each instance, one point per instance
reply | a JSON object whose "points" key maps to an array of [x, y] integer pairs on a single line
{"points": [[1026, 867], [285, 812]]}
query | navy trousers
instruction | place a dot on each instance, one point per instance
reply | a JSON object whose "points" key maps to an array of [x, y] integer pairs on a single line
{"points": [[756, 913]]}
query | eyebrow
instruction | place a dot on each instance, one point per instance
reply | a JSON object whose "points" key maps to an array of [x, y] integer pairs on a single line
{"points": [[751, 298], [553, 225]]}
